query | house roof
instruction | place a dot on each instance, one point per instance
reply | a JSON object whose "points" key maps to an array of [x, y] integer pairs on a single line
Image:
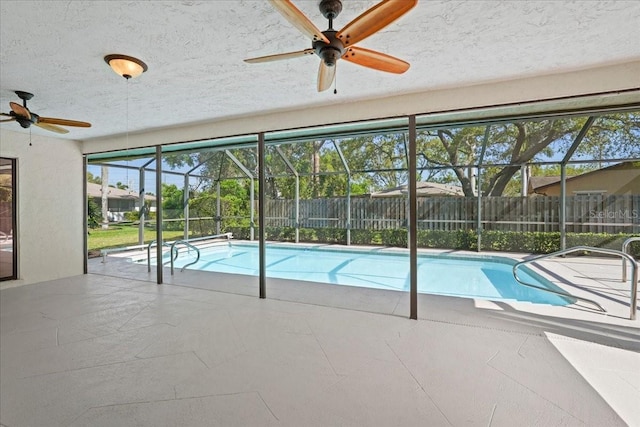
{"points": [[423, 189], [539, 183], [536, 182], [95, 190], [195, 52]]}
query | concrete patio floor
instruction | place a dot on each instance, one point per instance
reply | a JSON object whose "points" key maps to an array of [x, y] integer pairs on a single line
{"points": [[112, 348]]}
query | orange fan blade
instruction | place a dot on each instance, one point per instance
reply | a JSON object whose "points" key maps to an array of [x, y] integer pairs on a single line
{"points": [[326, 75], [375, 60], [12, 118], [373, 20], [279, 56], [20, 110], [52, 128], [297, 18], [63, 122]]}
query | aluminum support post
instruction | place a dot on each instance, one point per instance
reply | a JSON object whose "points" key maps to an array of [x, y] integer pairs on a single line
{"points": [[141, 194], [185, 206], [261, 216], [413, 221], [85, 215], [159, 241], [348, 171], [218, 207]]}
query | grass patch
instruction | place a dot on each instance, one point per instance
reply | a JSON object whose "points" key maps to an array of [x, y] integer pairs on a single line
{"points": [[125, 235]]}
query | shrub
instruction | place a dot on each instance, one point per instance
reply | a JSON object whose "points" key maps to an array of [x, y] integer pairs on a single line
{"points": [[503, 241], [94, 215], [131, 216], [396, 238]]}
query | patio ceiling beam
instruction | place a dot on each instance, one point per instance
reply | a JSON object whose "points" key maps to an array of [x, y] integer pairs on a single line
{"points": [[186, 195], [223, 157], [238, 163], [483, 150], [550, 115], [144, 166], [563, 180], [342, 158], [538, 163], [346, 168], [576, 142], [419, 168], [286, 161], [293, 170], [252, 184], [201, 163], [479, 183], [111, 165]]}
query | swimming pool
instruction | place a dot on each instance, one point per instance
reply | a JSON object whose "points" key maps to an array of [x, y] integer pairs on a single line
{"points": [[483, 277]]}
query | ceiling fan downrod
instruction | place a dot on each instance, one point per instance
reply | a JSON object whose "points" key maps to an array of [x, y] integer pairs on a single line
{"points": [[25, 122], [331, 52], [25, 96]]}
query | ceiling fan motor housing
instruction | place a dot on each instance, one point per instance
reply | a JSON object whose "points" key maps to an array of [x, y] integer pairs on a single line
{"points": [[329, 52], [25, 122]]}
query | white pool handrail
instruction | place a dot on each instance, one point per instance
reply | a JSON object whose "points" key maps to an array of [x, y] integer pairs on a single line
{"points": [[186, 243], [634, 274], [625, 245]]}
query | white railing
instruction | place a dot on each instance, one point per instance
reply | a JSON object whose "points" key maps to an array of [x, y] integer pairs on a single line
{"points": [[625, 245], [634, 274]]}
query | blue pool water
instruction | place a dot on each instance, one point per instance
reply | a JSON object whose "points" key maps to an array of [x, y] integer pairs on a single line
{"points": [[488, 278]]}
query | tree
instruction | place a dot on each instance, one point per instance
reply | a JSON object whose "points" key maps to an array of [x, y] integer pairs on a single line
{"points": [[93, 214], [513, 144], [611, 136], [172, 201], [93, 179], [385, 153], [317, 164], [446, 155]]}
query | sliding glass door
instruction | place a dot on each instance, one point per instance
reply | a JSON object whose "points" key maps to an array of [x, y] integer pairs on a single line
{"points": [[8, 247]]}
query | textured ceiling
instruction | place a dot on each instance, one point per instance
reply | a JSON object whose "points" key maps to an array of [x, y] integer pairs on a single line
{"points": [[195, 52]]}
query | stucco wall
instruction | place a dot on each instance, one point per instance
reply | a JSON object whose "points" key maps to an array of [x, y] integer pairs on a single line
{"points": [[50, 206], [561, 86]]}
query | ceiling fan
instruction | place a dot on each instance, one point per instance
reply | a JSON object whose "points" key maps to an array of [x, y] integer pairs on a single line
{"points": [[26, 118], [331, 45]]}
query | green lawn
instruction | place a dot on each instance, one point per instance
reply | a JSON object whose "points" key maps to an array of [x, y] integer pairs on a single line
{"points": [[125, 235]]}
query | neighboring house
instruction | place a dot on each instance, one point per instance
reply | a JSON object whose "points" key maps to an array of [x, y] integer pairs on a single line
{"points": [[619, 179], [120, 201], [423, 189]]}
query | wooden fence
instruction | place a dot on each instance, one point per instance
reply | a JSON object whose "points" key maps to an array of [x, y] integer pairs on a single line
{"points": [[597, 214]]}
